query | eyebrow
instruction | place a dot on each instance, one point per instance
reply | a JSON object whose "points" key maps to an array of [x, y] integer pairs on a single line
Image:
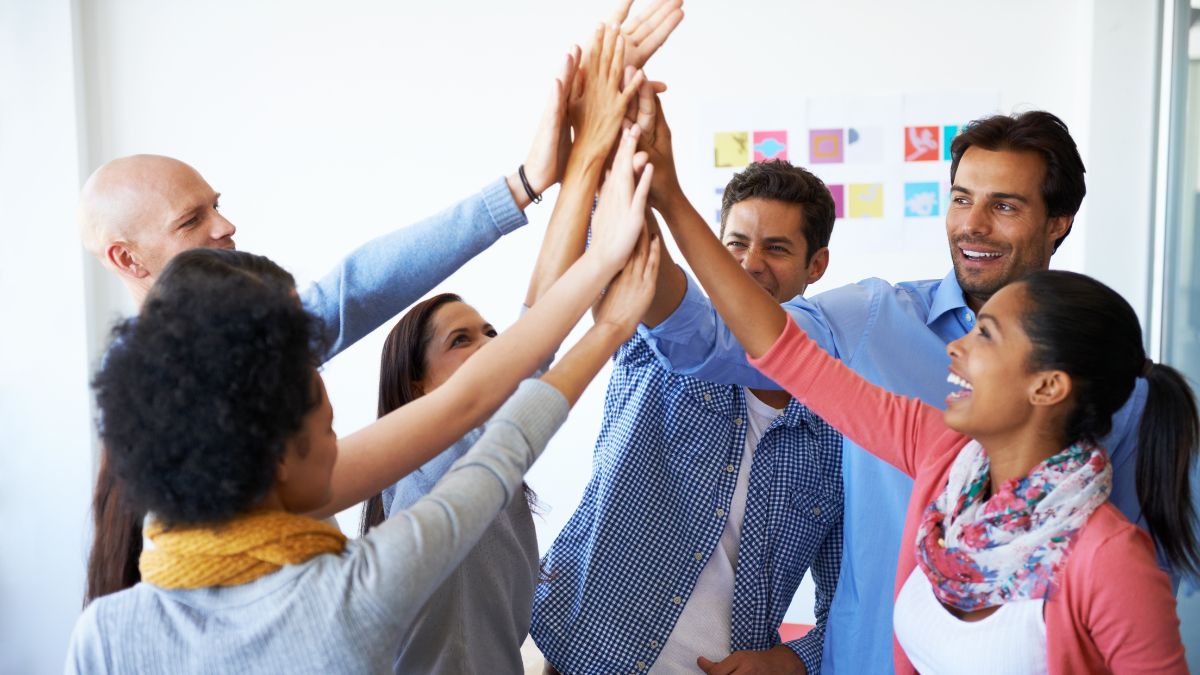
{"points": [[1009, 196], [767, 240], [988, 317]]}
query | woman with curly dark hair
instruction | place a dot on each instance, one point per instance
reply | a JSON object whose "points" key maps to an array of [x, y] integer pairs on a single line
{"points": [[217, 423]]}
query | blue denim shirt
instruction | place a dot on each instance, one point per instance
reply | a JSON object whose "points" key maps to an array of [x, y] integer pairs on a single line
{"points": [[664, 471], [896, 337]]}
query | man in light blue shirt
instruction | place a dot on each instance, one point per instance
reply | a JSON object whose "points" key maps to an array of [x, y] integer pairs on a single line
{"points": [[1017, 183]]}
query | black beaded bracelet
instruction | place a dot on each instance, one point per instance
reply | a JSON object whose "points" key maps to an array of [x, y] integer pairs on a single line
{"points": [[533, 196]]}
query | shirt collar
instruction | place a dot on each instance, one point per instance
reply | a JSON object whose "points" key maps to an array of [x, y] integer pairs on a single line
{"points": [[947, 298]]}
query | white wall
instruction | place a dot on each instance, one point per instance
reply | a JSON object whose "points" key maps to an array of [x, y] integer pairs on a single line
{"points": [[46, 463], [324, 125]]}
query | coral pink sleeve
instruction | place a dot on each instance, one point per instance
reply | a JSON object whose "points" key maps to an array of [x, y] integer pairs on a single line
{"points": [[901, 431], [1129, 610]]}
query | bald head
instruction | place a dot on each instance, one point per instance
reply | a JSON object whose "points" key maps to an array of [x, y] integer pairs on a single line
{"points": [[137, 212]]}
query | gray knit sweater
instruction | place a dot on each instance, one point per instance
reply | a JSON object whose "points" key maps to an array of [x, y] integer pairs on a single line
{"points": [[334, 613]]}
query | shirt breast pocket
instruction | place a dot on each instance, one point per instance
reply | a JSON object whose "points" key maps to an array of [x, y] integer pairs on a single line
{"points": [[814, 513]]}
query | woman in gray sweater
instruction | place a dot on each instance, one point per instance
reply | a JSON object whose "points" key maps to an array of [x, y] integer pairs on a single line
{"points": [[218, 424]]}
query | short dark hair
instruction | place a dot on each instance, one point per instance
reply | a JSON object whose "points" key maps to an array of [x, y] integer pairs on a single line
{"points": [[1063, 186], [779, 180], [200, 392]]}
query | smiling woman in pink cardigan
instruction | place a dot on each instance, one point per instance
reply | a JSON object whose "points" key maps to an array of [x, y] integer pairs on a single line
{"points": [[1012, 561]]}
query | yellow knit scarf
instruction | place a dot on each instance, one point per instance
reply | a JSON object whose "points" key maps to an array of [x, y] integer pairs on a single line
{"points": [[235, 552]]}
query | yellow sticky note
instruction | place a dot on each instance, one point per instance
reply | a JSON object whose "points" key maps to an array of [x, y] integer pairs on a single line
{"points": [[866, 200], [731, 148]]}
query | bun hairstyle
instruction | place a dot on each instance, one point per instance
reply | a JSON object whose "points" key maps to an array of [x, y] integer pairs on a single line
{"points": [[1086, 329]]}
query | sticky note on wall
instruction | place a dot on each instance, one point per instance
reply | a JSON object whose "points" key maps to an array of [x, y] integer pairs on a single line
{"points": [[731, 148]]}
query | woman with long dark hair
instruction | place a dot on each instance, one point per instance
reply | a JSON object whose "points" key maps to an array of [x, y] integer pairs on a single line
{"points": [[218, 425], [1013, 560]]}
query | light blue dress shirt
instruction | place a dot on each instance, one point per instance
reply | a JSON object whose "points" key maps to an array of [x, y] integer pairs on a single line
{"points": [[895, 336]]}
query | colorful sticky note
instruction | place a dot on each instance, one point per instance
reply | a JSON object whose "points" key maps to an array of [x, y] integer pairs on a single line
{"points": [[825, 146], [864, 145], [838, 192], [731, 148], [922, 200], [948, 134], [921, 144], [770, 145], [865, 200]]}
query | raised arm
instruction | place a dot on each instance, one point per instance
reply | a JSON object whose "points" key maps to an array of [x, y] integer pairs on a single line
{"points": [[596, 112], [403, 440], [404, 560]]}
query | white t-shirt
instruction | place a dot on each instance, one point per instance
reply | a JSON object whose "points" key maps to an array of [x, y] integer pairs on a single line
{"points": [[704, 627], [1012, 641]]}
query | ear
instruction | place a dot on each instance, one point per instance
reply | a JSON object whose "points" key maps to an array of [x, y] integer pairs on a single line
{"points": [[818, 264], [1058, 227], [125, 261], [1050, 387], [418, 387]]}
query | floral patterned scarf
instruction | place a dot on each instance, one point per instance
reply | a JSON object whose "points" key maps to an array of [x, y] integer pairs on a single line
{"points": [[980, 554]]}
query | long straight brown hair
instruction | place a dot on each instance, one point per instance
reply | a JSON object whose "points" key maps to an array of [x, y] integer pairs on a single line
{"points": [[117, 537], [401, 366]]}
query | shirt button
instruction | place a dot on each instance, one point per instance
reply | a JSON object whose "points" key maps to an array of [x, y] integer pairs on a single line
{"points": [[942, 543], [698, 555], [816, 510], [641, 665], [654, 644], [968, 316], [720, 513], [677, 600], [737, 421], [707, 398], [729, 468]]}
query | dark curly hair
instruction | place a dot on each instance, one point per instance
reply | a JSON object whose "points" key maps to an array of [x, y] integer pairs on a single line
{"points": [[779, 180], [199, 393]]}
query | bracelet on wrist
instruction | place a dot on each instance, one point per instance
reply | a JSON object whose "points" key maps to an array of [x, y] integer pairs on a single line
{"points": [[533, 196]]}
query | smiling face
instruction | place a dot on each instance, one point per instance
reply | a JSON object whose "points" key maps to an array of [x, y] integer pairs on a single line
{"points": [[458, 331], [766, 237], [996, 224], [1000, 395]]}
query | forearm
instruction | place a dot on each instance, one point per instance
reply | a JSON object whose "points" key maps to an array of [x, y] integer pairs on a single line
{"points": [[566, 234], [669, 288], [400, 442], [753, 315], [572, 374]]}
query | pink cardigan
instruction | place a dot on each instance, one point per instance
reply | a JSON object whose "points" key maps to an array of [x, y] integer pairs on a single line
{"points": [[1113, 610]]}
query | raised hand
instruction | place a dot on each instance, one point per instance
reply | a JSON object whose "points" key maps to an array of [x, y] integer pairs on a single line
{"points": [[648, 31], [600, 104], [628, 297], [657, 146], [620, 214], [547, 159]]}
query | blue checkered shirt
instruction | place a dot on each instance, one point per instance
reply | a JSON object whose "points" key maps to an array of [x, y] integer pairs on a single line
{"points": [[663, 476]]}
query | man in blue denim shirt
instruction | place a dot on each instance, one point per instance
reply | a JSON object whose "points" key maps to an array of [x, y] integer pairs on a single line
{"points": [[1017, 183], [707, 503]]}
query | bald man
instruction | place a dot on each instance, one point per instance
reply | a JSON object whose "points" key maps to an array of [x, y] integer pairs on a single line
{"points": [[138, 212]]}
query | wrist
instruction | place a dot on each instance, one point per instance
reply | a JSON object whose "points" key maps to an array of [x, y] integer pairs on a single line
{"points": [[669, 200], [518, 190], [613, 332]]}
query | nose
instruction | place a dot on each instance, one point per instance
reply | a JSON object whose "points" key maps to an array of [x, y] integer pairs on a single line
{"points": [[978, 221], [955, 349], [222, 228], [752, 260]]}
